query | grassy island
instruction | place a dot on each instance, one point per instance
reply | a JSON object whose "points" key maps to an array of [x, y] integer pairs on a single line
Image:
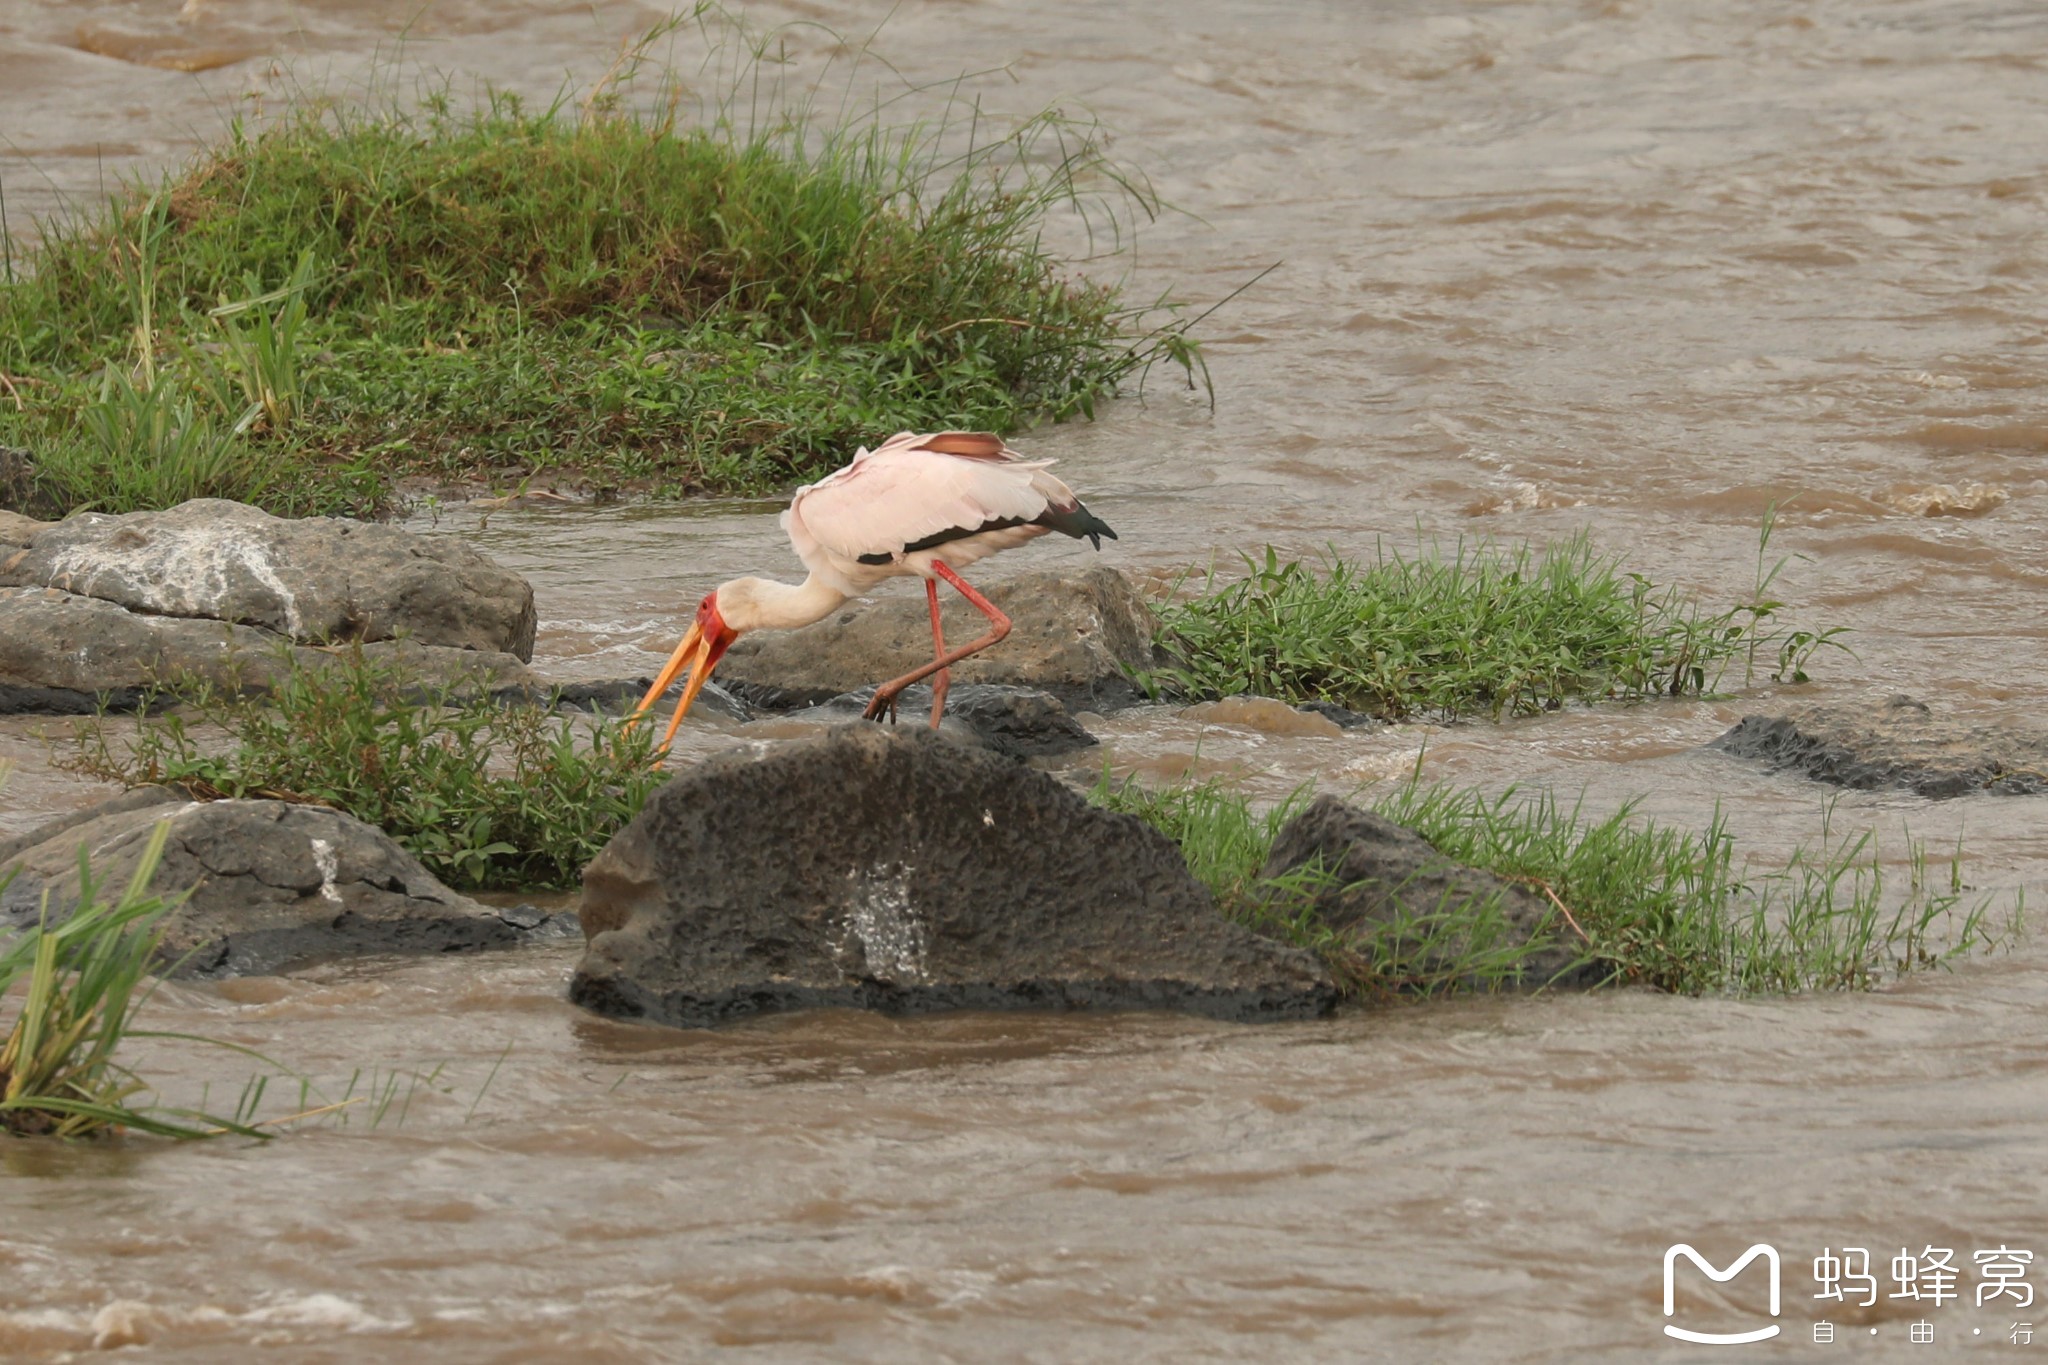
{"points": [[313, 310]]}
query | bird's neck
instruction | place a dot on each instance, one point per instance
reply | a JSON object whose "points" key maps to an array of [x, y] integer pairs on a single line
{"points": [[785, 606]]}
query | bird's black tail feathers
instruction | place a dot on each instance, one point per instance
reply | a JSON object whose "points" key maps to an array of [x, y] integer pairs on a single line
{"points": [[1077, 521]]}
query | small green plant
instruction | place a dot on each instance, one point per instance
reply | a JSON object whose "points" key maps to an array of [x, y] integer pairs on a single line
{"points": [[486, 795], [1483, 631], [263, 346], [1647, 904], [81, 982], [1794, 647], [149, 444]]}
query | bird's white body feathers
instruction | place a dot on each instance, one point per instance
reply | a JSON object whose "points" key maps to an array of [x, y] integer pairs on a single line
{"points": [[909, 489]]}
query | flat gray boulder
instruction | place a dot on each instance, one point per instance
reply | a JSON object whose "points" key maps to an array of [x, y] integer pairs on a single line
{"points": [[230, 596], [897, 871], [59, 652], [1072, 635], [320, 580], [273, 885], [1896, 742], [1398, 901]]}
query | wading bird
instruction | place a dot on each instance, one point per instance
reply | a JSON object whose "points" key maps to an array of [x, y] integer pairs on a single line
{"points": [[922, 505]]}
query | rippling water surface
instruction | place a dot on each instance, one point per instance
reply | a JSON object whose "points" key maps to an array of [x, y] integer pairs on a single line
{"points": [[1643, 268]]}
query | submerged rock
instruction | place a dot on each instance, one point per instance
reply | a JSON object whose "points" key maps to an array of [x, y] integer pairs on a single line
{"points": [[1392, 886], [893, 870], [272, 884], [1072, 634], [1016, 722], [227, 594], [1898, 742]]}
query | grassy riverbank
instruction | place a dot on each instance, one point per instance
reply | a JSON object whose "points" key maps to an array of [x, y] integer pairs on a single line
{"points": [[1646, 904], [345, 297]]}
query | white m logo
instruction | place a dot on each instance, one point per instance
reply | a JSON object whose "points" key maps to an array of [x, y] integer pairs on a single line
{"points": [[1671, 1255]]}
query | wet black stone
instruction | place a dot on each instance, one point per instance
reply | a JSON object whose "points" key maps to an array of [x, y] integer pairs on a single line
{"points": [[536, 923], [523, 916], [1017, 722], [1345, 717], [621, 695]]}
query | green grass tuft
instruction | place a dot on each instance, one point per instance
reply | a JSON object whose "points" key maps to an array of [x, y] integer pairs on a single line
{"points": [[1652, 906], [485, 795], [1485, 631], [80, 984], [730, 305]]}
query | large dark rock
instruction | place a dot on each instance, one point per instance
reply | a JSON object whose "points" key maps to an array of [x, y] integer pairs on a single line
{"points": [[1072, 634], [893, 870], [59, 651], [272, 884], [315, 581], [1898, 742], [1392, 887]]}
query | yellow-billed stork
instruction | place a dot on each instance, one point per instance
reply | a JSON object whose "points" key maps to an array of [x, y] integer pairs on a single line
{"points": [[927, 505]]}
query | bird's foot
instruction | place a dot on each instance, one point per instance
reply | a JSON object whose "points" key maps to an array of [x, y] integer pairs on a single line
{"points": [[882, 703]]}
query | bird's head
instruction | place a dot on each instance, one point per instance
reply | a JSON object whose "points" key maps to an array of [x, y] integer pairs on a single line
{"points": [[710, 635]]}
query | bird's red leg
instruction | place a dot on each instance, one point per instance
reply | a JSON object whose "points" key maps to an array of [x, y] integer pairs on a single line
{"points": [[944, 679], [999, 626]]}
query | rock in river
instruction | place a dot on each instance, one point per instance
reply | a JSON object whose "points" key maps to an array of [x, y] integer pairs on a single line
{"points": [[317, 579], [221, 592], [60, 652], [1898, 742], [1391, 885], [1072, 634], [1017, 722], [898, 871], [273, 884]]}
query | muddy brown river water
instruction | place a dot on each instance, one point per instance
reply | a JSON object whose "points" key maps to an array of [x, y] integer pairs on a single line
{"points": [[1644, 268]]}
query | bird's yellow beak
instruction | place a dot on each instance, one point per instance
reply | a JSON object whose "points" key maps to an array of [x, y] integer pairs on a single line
{"points": [[693, 653]]}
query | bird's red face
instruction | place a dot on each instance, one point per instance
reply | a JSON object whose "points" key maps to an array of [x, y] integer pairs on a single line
{"points": [[708, 639], [718, 636]]}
